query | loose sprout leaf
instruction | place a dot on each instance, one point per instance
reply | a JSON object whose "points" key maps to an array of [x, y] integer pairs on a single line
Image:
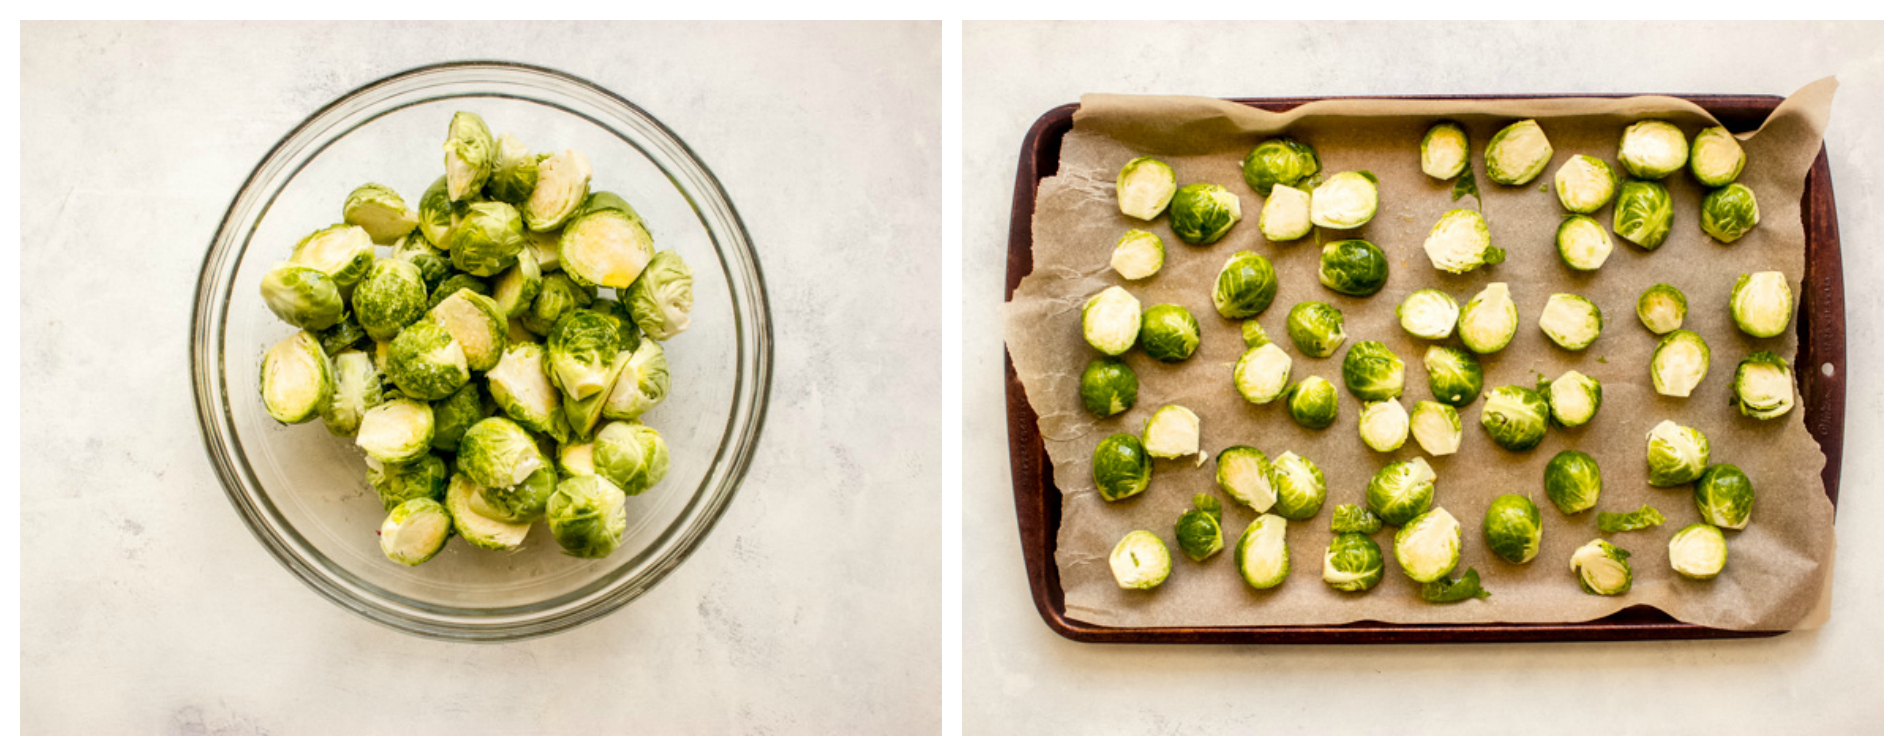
{"points": [[1464, 186], [1447, 591], [1622, 522]]}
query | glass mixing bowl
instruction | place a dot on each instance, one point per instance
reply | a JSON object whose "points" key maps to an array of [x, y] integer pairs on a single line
{"points": [[302, 490]]}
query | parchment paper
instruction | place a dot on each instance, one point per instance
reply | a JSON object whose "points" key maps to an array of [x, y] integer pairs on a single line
{"points": [[1778, 566]]}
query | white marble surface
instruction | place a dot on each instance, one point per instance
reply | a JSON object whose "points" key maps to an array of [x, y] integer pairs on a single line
{"points": [[147, 607], [1020, 677]]}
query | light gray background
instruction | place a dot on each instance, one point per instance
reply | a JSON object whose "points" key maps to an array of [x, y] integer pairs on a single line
{"points": [[147, 607], [1020, 677]]}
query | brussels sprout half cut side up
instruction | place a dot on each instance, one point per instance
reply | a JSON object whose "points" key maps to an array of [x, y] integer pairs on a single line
{"points": [[1112, 319], [1428, 314], [1279, 162], [1315, 328], [1139, 254], [1460, 242], [1200, 529], [297, 380], [1652, 149], [1584, 184], [1517, 154], [1402, 491], [1717, 159], [1454, 376], [1573, 481], [1515, 417], [425, 478], [302, 297], [1120, 467], [1262, 373], [380, 212], [1489, 320], [1761, 304], [1169, 333], [1346, 200], [1512, 529], [1383, 425], [1108, 387], [1141, 561], [359, 387], [1353, 563], [414, 532], [479, 531], [1602, 568], [561, 188], [587, 516], [1202, 213], [1354, 267], [1429, 546], [1725, 497], [606, 243], [1444, 150], [469, 153], [1680, 362], [1285, 215], [1727, 213], [1245, 287], [1436, 427], [1662, 309], [477, 325], [397, 431], [1573, 398], [1697, 551], [1763, 387], [1173, 431], [343, 252], [1313, 404], [1246, 474], [1583, 243], [1675, 454], [1262, 552], [1643, 214], [1372, 372], [1145, 187], [522, 390], [1300, 486], [1571, 321]]}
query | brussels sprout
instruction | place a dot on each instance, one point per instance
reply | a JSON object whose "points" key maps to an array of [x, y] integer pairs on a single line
{"points": [[1449, 590], [516, 289], [1300, 486], [644, 382], [454, 416], [347, 334], [1429, 546], [1622, 522], [1141, 561], [1436, 427], [487, 239], [1169, 333], [302, 297], [1454, 376], [380, 212], [437, 216], [344, 252], [625, 330], [1402, 491], [1145, 187], [1354, 518], [1459, 242], [1725, 497], [1697, 551], [1652, 149], [391, 296], [1139, 254], [426, 362], [1285, 215], [1573, 398], [1583, 243], [1279, 162], [1353, 563], [482, 532], [522, 390], [1573, 481], [1315, 328], [358, 388], [581, 415], [1120, 467], [1112, 319], [1383, 425], [1262, 552], [453, 284], [587, 516], [1679, 363], [1372, 372], [577, 457], [513, 178], [1200, 530], [558, 297], [1717, 159], [1262, 373], [398, 482], [1428, 314], [1585, 184], [476, 323], [1517, 154], [1346, 200], [1247, 476], [1729, 212], [1354, 267], [1662, 309], [1107, 387], [1675, 454], [1489, 320], [1512, 528], [414, 531], [545, 247], [1571, 320], [582, 347], [1602, 568], [1203, 213], [607, 244], [1762, 304], [1515, 417], [1444, 150], [397, 430], [498, 453], [520, 504], [1643, 214], [634, 456], [296, 379], [468, 155], [1172, 432], [1312, 404], [561, 186], [1245, 287], [1762, 386]]}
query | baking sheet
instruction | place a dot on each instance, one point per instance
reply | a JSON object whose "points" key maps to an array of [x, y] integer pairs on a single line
{"points": [[1778, 566]]}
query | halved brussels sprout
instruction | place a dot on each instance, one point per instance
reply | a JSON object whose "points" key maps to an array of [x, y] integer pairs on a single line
{"points": [[1262, 373], [587, 516], [520, 504], [1489, 320], [1727, 213], [1354, 518], [521, 387], [1583, 243], [517, 288], [1515, 417], [344, 252], [644, 382], [1460, 242], [1145, 187], [1573, 398], [380, 212], [1444, 150], [1449, 590], [498, 453], [1652, 149], [1346, 200], [1428, 314], [1203, 213], [1245, 287], [347, 334], [582, 348], [1725, 497], [453, 284], [1512, 528], [1517, 154], [1675, 454], [605, 243], [1315, 328], [1112, 319], [1300, 486], [476, 323], [303, 297], [1141, 561], [1662, 309], [1169, 333], [661, 297], [1573, 481], [1622, 522], [296, 379], [1173, 431], [1247, 475], [414, 531], [1762, 304], [1372, 372], [396, 431], [426, 362], [1200, 529], [1139, 254], [560, 295], [487, 239], [1285, 215], [561, 186], [1697, 551], [1454, 376], [1643, 214], [546, 247], [1585, 184], [1602, 568], [1383, 425], [1679, 363], [581, 415], [1717, 159], [1280, 161], [1262, 553], [1353, 563], [437, 216], [1120, 467], [1107, 387], [1762, 386], [1571, 320], [1354, 267], [513, 178], [634, 456], [1429, 546], [391, 297], [398, 482], [1402, 491], [468, 155], [481, 532], [577, 457], [1313, 404], [1437, 428], [359, 388], [455, 415]]}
